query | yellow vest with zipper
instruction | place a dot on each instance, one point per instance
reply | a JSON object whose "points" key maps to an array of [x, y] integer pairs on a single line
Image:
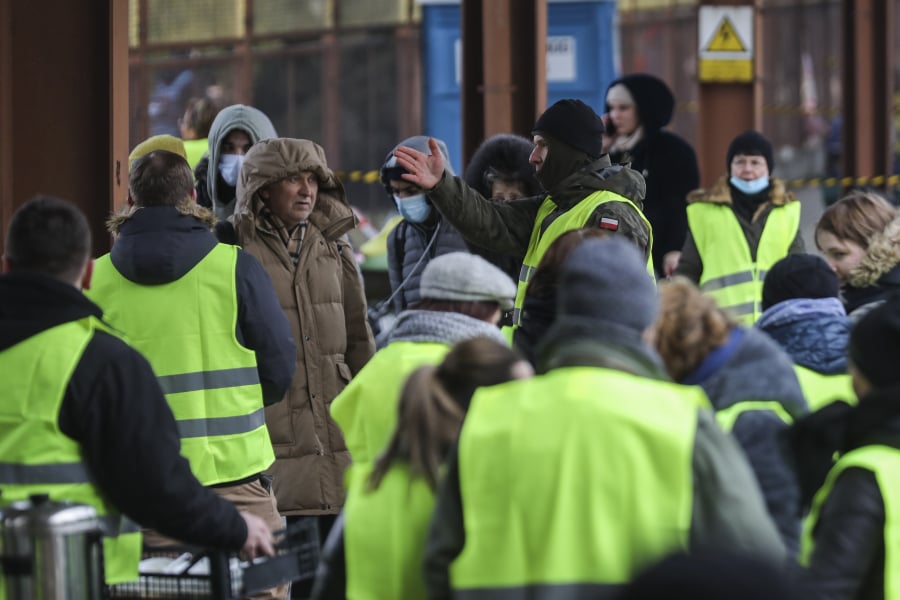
{"points": [[730, 274], [38, 458], [573, 481], [186, 329]]}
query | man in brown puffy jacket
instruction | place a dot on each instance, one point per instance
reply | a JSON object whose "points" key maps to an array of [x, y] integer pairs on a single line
{"points": [[292, 215]]}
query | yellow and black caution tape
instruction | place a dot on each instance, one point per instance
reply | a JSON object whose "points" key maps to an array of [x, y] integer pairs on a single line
{"points": [[359, 176], [878, 181]]}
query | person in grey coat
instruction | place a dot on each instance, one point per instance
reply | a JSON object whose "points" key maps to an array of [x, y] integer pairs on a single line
{"points": [[422, 234], [750, 382]]}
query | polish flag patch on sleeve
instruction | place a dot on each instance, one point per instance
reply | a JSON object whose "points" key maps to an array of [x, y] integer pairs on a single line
{"points": [[607, 223]]}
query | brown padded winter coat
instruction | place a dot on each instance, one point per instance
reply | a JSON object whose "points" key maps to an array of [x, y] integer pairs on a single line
{"points": [[324, 301]]}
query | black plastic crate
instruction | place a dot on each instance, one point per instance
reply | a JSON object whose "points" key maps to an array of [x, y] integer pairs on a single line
{"points": [[215, 575]]}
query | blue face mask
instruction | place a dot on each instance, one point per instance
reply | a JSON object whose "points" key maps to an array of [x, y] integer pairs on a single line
{"points": [[230, 167], [414, 209], [754, 186]]}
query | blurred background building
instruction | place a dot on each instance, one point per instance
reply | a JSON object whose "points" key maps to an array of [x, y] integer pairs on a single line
{"points": [[357, 75]]}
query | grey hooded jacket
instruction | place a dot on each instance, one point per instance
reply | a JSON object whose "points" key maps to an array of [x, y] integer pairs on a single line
{"points": [[237, 116], [411, 245]]}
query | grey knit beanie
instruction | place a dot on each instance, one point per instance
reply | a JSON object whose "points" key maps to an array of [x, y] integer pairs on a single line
{"points": [[466, 277], [607, 280]]}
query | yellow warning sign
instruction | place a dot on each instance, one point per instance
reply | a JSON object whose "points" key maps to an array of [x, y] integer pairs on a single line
{"points": [[725, 39], [725, 44]]}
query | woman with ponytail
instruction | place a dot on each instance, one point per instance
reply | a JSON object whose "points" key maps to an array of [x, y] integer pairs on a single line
{"points": [[375, 550]]}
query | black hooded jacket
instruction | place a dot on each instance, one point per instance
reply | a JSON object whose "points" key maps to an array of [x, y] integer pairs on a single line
{"points": [[667, 162], [114, 408], [849, 551]]}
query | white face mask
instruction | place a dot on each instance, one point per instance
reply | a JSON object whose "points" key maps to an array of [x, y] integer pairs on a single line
{"points": [[754, 186], [413, 208], [230, 167]]}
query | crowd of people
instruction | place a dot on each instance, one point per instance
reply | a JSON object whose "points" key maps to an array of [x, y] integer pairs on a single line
{"points": [[601, 381]]}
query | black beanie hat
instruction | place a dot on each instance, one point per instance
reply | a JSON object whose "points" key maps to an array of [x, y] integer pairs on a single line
{"points": [[874, 345], [799, 276], [574, 123], [751, 143]]}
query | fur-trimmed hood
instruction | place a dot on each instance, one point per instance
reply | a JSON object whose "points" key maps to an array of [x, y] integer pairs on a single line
{"points": [[272, 160], [720, 193], [882, 255], [507, 154], [189, 208]]}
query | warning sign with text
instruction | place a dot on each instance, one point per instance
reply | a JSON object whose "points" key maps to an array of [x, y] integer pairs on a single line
{"points": [[726, 43]]}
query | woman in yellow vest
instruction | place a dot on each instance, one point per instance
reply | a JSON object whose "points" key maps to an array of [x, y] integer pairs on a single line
{"points": [[378, 552], [851, 539], [802, 313], [750, 382], [739, 228], [461, 297]]}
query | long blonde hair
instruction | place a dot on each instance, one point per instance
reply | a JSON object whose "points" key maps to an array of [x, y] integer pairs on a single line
{"points": [[690, 325], [433, 403]]}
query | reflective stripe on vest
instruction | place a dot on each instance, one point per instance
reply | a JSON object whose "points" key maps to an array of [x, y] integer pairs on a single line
{"points": [[821, 390], [384, 534], [574, 218], [567, 486], [186, 329], [366, 409], [727, 417], [729, 273], [38, 457], [884, 462]]}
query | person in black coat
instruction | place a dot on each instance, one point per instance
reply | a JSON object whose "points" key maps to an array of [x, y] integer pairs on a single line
{"points": [[638, 107], [848, 548], [112, 405]]}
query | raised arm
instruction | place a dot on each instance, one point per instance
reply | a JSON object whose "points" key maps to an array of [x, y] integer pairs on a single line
{"points": [[501, 227]]}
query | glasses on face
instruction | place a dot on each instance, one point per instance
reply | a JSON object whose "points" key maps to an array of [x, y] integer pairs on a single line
{"points": [[753, 162]]}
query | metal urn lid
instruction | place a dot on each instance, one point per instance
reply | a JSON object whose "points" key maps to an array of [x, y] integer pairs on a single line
{"points": [[50, 517]]}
